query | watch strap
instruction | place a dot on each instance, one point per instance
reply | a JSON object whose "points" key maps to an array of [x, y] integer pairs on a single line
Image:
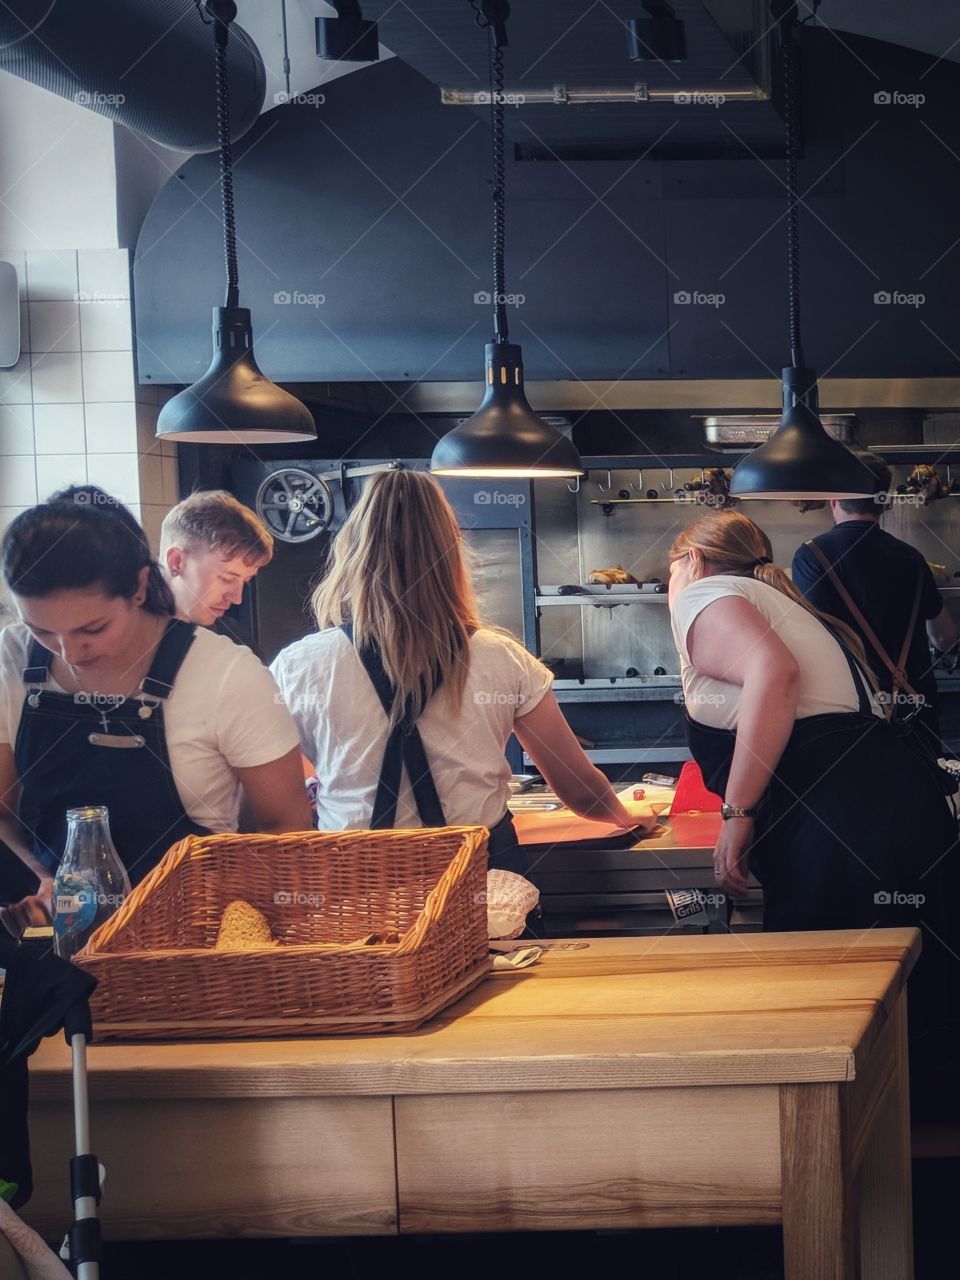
{"points": [[737, 811]]}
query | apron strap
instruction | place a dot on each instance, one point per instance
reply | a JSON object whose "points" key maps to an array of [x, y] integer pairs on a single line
{"points": [[37, 670], [898, 672], [157, 683], [859, 678], [167, 661], [404, 748]]}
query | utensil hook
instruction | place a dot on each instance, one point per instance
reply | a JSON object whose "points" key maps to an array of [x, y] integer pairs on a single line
{"points": [[605, 488], [575, 486]]}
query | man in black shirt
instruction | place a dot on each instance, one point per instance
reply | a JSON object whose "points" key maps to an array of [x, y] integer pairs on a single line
{"points": [[211, 546], [880, 573]]}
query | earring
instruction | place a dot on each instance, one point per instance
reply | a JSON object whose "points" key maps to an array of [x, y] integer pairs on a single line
{"points": [[174, 573]]}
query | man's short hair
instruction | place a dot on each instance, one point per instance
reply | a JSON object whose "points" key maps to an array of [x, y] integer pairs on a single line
{"points": [[883, 478], [215, 520]]}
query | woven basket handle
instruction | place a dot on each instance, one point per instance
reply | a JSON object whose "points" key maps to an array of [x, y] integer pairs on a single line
{"points": [[451, 880]]}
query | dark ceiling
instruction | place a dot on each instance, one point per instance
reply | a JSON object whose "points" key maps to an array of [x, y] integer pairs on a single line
{"points": [[582, 44]]}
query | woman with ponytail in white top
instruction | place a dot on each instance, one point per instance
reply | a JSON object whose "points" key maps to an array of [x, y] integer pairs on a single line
{"points": [[842, 821]]}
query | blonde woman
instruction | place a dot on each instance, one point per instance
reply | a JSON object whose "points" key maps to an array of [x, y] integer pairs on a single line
{"points": [[780, 709], [841, 822], [404, 700]]}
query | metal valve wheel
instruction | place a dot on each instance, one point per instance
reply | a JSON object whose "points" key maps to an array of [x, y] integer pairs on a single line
{"points": [[295, 505]]}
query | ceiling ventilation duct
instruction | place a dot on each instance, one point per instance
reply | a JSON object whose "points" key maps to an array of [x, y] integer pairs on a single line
{"points": [[143, 63]]}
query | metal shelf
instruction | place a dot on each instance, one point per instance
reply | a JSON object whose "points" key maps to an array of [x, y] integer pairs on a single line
{"points": [[629, 755], [614, 684], [600, 602], [674, 500], [659, 461], [596, 593], [619, 690], [616, 755], [904, 453]]}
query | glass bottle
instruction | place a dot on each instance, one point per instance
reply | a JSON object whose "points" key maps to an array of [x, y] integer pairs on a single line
{"points": [[91, 881]]}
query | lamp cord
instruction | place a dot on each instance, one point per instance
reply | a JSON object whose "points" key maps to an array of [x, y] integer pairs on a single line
{"points": [[221, 35], [790, 62], [501, 330], [493, 15]]}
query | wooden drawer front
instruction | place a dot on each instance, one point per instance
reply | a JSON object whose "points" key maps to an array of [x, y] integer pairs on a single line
{"points": [[225, 1167], [603, 1158]]}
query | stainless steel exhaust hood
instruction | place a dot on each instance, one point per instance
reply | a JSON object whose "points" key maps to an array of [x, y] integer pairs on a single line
{"points": [[696, 394]]}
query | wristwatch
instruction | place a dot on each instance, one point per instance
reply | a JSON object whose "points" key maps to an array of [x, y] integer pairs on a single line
{"points": [[736, 811]]}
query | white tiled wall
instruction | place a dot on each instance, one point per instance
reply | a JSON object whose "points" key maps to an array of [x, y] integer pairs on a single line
{"points": [[70, 410]]}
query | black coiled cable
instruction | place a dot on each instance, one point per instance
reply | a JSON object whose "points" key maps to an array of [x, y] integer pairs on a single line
{"points": [[790, 63], [221, 34], [493, 15], [499, 185]]}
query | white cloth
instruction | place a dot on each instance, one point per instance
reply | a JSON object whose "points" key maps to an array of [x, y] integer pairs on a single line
{"points": [[826, 684], [343, 728], [224, 713]]}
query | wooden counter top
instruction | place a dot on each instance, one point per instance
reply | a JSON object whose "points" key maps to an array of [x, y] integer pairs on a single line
{"points": [[634, 1082], [619, 1013]]}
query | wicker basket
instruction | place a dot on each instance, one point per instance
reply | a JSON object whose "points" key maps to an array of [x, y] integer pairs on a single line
{"points": [[322, 893]]}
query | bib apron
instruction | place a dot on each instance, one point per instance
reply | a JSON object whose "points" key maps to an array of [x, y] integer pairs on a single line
{"points": [[74, 750]]}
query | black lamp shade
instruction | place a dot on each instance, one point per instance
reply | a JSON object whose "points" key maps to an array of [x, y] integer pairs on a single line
{"points": [[505, 438], [233, 401], [658, 39], [801, 461]]}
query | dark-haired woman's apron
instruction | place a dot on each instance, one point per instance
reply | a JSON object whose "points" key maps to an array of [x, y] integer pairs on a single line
{"points": [[74, 750], [853, 833], [405, 749]]}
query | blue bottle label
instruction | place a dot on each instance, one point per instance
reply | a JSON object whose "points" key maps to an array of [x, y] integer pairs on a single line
{"points": [[74, 904]]}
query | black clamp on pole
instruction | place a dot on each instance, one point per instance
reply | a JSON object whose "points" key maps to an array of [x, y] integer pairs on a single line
{"points": [[85, 1243], [77, 1021], [84, 1177]]}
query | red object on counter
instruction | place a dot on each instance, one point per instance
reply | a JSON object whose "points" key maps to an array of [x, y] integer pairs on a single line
{"points": [[638, 793], [692, 795]]}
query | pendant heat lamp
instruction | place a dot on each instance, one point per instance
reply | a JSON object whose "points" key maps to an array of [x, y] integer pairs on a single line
{"points": [[800, 460], [233, 403], [504, 439]]}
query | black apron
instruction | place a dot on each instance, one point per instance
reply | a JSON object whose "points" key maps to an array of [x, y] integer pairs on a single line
{"points": [[405, 749], [66, 758], [854, 833]]}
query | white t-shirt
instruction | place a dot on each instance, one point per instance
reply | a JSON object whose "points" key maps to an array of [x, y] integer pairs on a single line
{"points": [[343, 728], [826, 684], [224, 713]]}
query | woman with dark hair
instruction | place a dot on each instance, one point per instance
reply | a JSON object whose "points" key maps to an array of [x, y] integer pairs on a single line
{"points": [[107, 699]]}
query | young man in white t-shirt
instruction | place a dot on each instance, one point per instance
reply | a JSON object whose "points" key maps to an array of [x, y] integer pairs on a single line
{"points": [[211, 547]]}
